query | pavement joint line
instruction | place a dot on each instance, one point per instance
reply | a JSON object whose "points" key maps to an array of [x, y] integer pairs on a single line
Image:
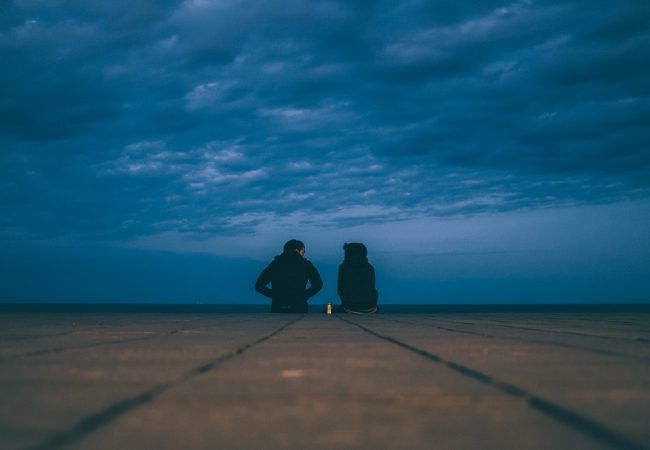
{"points": [[635, 325], [551, 330], [97, 327], [35, 337], [533, 341], [574, 420], [490, 322], [543, 330], [7, 335], [81, 346], [102, 418], [98, 344]]}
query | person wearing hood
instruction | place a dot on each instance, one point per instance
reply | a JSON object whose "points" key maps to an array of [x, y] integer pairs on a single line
{"points": [[356, 283], [288, 275]]}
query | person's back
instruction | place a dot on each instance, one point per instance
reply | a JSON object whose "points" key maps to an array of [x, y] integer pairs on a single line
{"points": [[356, 282], [288, 274]]}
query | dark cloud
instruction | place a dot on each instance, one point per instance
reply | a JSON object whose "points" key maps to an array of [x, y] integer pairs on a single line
{"points": [[124, 119]]}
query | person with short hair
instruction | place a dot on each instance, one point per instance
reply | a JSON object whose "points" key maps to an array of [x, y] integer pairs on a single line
{"points": [[288, 275], [356, 282]]}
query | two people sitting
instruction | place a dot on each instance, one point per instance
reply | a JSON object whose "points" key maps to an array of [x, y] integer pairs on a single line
{"points": [[289, 273]]}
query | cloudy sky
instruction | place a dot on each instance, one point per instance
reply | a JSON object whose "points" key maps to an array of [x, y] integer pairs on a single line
{"points": [[485, 151]]}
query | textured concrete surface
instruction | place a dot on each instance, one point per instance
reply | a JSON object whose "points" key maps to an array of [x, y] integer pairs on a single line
{"points": [[253, 381]]}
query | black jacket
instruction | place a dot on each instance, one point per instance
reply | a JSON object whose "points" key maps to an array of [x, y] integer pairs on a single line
{"points": [[288, 274], [356, 284]]}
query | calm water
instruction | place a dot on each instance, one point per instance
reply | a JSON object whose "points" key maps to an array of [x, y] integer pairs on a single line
{"points": [[315, 308]]}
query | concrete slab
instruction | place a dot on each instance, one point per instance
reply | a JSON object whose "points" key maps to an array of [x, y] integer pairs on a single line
{"points": [[273, 381]]}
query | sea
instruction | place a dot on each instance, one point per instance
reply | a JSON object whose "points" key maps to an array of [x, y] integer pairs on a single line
{"points": [[149, 308]]}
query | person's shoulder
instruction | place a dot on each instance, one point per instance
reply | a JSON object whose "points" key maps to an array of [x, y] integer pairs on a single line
{"points": [[309, 264], [275, 261]]}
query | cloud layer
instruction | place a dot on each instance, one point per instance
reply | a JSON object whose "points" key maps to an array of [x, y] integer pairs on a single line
{"points": [[120, 120]]}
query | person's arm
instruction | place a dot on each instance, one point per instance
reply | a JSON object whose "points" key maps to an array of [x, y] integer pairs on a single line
{"points": [[315, 281], [339, 288], [262, 281], [374, 292]]}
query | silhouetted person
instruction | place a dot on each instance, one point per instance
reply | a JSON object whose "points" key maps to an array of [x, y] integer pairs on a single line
{"points": [[356, 284], [288, 274]]}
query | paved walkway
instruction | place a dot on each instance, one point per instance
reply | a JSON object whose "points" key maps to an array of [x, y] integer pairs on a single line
{"points": [[261, 381]]}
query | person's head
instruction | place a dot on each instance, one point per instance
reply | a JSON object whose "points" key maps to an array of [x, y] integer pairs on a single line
{"points": [[355, 251], [295, 245]]}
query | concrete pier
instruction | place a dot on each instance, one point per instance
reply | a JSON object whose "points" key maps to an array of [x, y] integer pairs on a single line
{"points": [[262, 381]]}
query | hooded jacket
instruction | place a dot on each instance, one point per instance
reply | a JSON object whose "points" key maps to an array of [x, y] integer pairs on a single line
{"points": [[288, 274], [356, 281]]}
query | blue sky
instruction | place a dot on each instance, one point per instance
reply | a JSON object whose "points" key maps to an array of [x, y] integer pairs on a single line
{"points": [[485, 151]]}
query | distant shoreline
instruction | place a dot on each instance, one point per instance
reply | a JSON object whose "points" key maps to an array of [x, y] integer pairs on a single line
{"points": [[145, 308]]}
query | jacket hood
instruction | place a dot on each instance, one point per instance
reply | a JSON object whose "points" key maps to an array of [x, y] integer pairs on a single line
{"points": [[355, 253]]}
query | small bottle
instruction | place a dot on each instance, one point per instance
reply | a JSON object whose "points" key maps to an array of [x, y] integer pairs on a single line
{"points": [[329, 309]]}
